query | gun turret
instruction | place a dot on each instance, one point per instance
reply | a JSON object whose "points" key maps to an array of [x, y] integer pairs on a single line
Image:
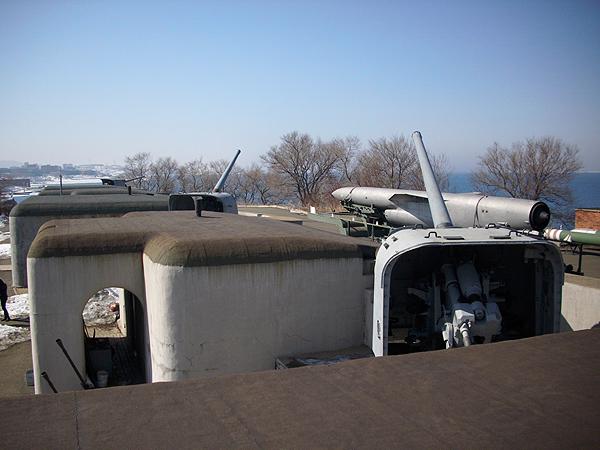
{"points": [[215, 200], [460, 282]]}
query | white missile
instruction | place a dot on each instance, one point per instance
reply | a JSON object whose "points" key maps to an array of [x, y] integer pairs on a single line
{"points": [[402, 207]]}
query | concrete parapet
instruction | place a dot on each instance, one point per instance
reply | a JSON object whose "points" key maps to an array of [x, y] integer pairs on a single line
{"points": [[580, 303]]}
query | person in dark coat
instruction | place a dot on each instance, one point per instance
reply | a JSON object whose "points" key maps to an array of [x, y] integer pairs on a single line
{"points": [[4, 298]]}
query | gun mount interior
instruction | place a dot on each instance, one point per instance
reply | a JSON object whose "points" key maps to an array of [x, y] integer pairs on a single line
{"points": [[452, 296]]}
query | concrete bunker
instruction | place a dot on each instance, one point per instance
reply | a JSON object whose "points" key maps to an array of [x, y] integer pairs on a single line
{"points": [[221, 293]]}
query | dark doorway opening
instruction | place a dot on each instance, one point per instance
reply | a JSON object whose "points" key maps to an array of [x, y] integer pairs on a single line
{"points": [[114, 324]]}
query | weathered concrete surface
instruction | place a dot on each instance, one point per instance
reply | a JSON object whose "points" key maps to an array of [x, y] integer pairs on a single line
{"points": [[239, 318], [540, 392], [59, 289], [581, 303]]}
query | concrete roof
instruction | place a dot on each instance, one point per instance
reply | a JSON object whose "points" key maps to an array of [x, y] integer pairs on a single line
{"points": [[112, 190], [78, 205], [180, 238], [85, 189], [540, 392]]}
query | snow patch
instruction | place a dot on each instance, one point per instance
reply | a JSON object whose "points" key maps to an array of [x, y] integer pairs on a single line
{"points": [[96, 310], [5, 251], [18, 306], [12, 335]]}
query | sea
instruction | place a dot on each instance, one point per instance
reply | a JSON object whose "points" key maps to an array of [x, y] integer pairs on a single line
{"points": [[585, 188]]}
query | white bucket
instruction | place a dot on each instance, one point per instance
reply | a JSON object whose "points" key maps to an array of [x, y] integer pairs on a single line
{"points": [[101, 378]]}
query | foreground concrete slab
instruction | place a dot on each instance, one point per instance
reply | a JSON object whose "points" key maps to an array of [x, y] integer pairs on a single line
{"points": [[14, 362], [540, 392]]}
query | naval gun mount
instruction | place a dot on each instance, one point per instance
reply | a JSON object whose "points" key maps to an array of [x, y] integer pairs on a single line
{"points": [[215, 200], [448, 287], [455, 287]]}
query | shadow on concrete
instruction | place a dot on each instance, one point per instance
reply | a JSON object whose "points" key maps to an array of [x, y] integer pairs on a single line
{"points": [[564, 325]]}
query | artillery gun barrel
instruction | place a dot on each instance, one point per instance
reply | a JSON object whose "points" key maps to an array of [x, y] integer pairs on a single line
{"points": [[221, 183], [439, 212]]}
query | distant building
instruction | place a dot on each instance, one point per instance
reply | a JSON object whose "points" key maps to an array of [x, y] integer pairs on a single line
{"points": [[49, 168], [587, 218]]}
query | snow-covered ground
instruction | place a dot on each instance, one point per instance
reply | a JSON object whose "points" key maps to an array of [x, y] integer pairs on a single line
{"points": [[5, 251], [18, 307], [4, 236], [95, 313], [12, 335], [82, 179]]}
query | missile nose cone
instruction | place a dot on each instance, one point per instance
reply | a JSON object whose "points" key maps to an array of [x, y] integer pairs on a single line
{"points": [[342, 193]]}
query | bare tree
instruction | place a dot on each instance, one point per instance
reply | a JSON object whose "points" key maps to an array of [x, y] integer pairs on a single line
{"points": [[537, 169], [163, 175], [348, 149], [138, 166], [305, 163], [193, 176], [441, 169], [215, 170], [236, 183], [257, 186], [388, 162]]}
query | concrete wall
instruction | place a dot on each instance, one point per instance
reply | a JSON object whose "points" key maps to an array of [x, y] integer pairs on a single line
{"points": [[580, 303], [23, 230], [222, 319], [22, 233], [58, 290], [200, 321]]}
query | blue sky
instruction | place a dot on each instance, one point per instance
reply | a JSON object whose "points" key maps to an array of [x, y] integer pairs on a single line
{"points": [[94, 81]]}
